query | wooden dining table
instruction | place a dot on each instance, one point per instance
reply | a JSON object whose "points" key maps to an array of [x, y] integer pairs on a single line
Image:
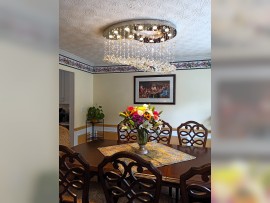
{"points": [[94, 157]]}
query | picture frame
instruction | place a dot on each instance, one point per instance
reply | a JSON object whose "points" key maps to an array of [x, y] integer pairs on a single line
{"points": [[154, 89]]}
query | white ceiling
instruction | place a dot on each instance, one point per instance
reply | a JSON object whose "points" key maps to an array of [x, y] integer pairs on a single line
{"points": [[82, 23]]}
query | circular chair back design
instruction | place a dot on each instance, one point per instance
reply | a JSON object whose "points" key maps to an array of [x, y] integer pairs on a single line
{"points": [[199, 191], [123, 180], [74, 176], [161, 135], [126, 135], [192, 132]]}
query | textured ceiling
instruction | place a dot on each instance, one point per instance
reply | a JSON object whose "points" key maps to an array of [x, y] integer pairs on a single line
{"points": [[82, 23]]}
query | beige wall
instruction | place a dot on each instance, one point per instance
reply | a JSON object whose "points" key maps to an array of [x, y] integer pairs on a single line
{"points": [[193, 96], [83, 85], [29, 117]]}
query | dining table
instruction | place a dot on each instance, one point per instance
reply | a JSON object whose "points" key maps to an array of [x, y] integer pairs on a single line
{"points": [[170, 173]]}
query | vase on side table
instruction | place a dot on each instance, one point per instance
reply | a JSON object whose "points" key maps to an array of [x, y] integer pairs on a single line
{"points": [[142, 139]]}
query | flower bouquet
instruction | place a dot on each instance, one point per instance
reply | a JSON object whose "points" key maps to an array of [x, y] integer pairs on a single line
{"points": [[143, 119]]}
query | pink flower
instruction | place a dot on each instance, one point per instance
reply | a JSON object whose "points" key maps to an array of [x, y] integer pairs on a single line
{"points": [[156, 113], [156, 117]]}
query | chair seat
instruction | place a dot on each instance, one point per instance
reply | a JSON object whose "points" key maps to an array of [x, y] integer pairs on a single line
{"points": [[174, 182]]}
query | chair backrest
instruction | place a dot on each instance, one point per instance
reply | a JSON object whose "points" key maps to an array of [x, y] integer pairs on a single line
{"points": [[74, 176], [199, 191], [161, 135], [126, 135], [123, 180], [192, 132], [64, 138]]}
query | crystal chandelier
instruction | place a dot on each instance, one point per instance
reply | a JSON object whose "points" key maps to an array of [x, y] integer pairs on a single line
{"points": [[142, 44]]}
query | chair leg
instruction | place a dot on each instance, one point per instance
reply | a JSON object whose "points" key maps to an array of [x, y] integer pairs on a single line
{"points": [[170, 191], [115, 199], [176, 194]]}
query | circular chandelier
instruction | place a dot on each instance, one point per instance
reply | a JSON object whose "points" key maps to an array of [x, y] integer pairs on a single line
{"points": [[142, 44]]}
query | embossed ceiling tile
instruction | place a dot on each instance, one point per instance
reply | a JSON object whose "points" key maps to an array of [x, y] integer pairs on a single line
{"points": [[82, 23]]}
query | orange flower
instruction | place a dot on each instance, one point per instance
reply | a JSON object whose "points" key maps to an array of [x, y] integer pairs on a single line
{"points": [[147, 116]]}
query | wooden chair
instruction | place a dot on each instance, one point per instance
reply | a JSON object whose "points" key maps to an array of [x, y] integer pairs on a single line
{"points": [[123, 182], [192, 132], [196, 191], [126, 135], [74, 177], [162, 135], [64, 136]]}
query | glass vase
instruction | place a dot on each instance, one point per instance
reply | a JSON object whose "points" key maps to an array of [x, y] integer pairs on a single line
{"points": [[142, 139]]}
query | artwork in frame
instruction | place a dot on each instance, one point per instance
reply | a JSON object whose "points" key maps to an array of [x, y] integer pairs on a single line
{"points": [[154, 89]]}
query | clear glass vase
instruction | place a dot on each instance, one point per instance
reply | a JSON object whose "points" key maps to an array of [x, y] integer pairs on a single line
{"points": [[142, 139]]}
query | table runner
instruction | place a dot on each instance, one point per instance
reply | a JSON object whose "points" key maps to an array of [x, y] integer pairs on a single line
{"points": [[159, 154]]}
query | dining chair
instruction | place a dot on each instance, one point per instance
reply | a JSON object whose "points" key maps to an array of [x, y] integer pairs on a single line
{"points": [[161, 135], [126, 135], [64, 138], [192, 132], [126, 182], [196, 190], [74, 176]]}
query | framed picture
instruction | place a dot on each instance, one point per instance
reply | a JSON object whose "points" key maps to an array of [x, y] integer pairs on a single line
{"points": [[154, 89]]}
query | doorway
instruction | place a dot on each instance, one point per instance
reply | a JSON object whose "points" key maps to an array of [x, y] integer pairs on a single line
{"points": [[66, 102]]}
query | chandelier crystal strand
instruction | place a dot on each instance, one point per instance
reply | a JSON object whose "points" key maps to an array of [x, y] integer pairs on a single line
{"points": [[105, 48], [142, 44]]}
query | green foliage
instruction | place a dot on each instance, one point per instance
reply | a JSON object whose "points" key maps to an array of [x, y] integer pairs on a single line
{"points": [[95, 113]]}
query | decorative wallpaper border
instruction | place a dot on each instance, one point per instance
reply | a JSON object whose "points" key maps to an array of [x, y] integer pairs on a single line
{"points": [[198, 64], [66, 61], [115, 69], [181, 65]]}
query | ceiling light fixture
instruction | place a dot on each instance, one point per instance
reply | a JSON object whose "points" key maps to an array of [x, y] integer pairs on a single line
{"points": [[143, 44]]}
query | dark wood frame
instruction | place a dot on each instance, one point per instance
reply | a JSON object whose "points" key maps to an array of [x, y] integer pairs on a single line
{"points": [[203, 193], [192, 127], [164, 136], [170, 173], [74, 172], [154, 100], [126, 135], [119, 178], [92, 155]]}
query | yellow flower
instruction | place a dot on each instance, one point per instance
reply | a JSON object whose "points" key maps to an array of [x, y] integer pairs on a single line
{"points": [[142, 108]]}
